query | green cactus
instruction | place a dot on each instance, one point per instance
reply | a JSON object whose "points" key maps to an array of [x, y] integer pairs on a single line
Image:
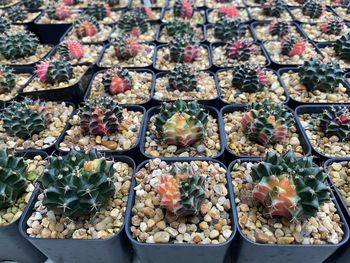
{"points": [[182, 78], [17, 14], [248, 78], [7, 79], [32, 5], [226, 29], [335, 120], [342, 47], [98, 10], [5, 24], [183, 49], [313, 8], [133, 20], [274, 8], [179, 27]]}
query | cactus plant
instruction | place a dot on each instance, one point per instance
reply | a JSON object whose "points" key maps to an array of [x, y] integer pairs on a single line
{"points": [[247, 78], [32, 5], [71, 49], [134, 22], [288, 186], [117, 80], [230, 12], [274, 8], [267, 123], [181, 123], [12, 178], [324, 77], [335, 120], [279, 28], [58, 11], [86, 26], [25, 118], [182, 190], [77, 184], [239, 49], [313, 8], [5, 24], [17, 14], [14, 45], [100, 116], [342, 47], [183, 49], [225, 29], [54, 71], [126, 47], [183, 9], [292, 47], [98, 10], [182, 78], [71, 2], [332, 25], [179, 27], [7, 79]]}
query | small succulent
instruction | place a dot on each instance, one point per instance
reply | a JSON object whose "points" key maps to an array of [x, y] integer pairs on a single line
{"points": [[278, 28], [117, 80], [58, 11], [182, 78], [181, 123], [55, 71], [71, 49], [179, 27], [267, 123], [239, 49], [248, 78], [183, 49], [126, 47], [86, 26], [77, 184], [342, 47], [292, 46], [324, 77], [100, 116], [335, 121], [98, 10], [332, 25], [230, 12], [274, 8], [5, 24], [25, 118], [17, 14], [313, 8], [226, 29], [289, 186], [7, 79], [134, 22], [32, 5], [183, 9], [182, 190]]}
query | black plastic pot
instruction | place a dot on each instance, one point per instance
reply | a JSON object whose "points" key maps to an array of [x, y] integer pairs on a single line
{"points": [[252, 252], [311, 39], [111, 250], [30, 25], [196, 10], [224, 102], [329, 44], [146, 104], [295, 103], [211, 110], [73, 93], [161, 46], [162, 26], [209, 10], [13, 246], [176, 252], [310, 109], [133, 152], [230, 156]]}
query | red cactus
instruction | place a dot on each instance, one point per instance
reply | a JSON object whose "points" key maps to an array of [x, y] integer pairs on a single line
{"points": [[168, 190], [186, 9], [68, 2], [332, 25], [229, 11], [262, 76], [62, 11], [297, 49], [129, 49], [119, 85], [41, 70], [86, 29], [240, 49], [190, 53], [75, 49], [148, 11]]}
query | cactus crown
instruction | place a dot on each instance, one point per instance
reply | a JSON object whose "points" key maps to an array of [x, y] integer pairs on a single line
{"points": [[7, 79], [5, 24], [134, 20], [313, 8], [181, 123], [292, 46], [332, 25], [14, 45], [98, 10], [17, 14], [12, 178], [335, 120], [179, 27], [274, 8], [342, 47], [125, 46], [183, 49], [182, 190], [279, 28], [77, 184], [183, 8], [58, 11], [239, 49], [267, 123], [117, 80], [56, 71], [248, 78], [225, 29], [32, 5], [86, 26], [25, 118], [71, 49], [324, 77], [182, 78], [288, 186], [100, 116]]}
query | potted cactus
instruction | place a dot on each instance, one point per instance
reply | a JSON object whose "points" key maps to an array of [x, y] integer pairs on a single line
{"points": [[58, 13], [58, 80], [89, 31], [184, 9], [283, 202], [275, 30], [221, 3], [33, 5], [182, 49], [126, 50], [30, 124], [19, 15], [260, 127], [63, 222], [329, 30], [182, 129], [19, 171], [248, 83], [229, 12], [11, 81], [176, 215], [102, 12], [102, 124], [134, 86], [7, 3], [21, 49], [135, 22], [327, 129], [6, 26], [315, 82], [311, 11], [187, 83], [291, 50], [269, 10]]}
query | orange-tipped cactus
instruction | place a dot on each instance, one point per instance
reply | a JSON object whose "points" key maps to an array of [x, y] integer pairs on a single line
{"points": [[293, 47]]}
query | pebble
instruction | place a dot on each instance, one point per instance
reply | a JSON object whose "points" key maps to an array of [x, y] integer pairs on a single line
{"points": [[336, 166], [285, 240], [143, 226], [182, 228], [49, 140], [203, 225], [103, 224], [227, 233], [114, 213], [161, 237], [201, 148], [214, 233]]}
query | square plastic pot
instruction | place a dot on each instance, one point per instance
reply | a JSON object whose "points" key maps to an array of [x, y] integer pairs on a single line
{"points": [[252, 252], [321, 45], [133, 152], [154, 110], [163, 25], [13, 246], [295, 103], [185, 253], [110, 250], [230, 156], [311, 39], [74, 93], [212, 102], [30, 25]]}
